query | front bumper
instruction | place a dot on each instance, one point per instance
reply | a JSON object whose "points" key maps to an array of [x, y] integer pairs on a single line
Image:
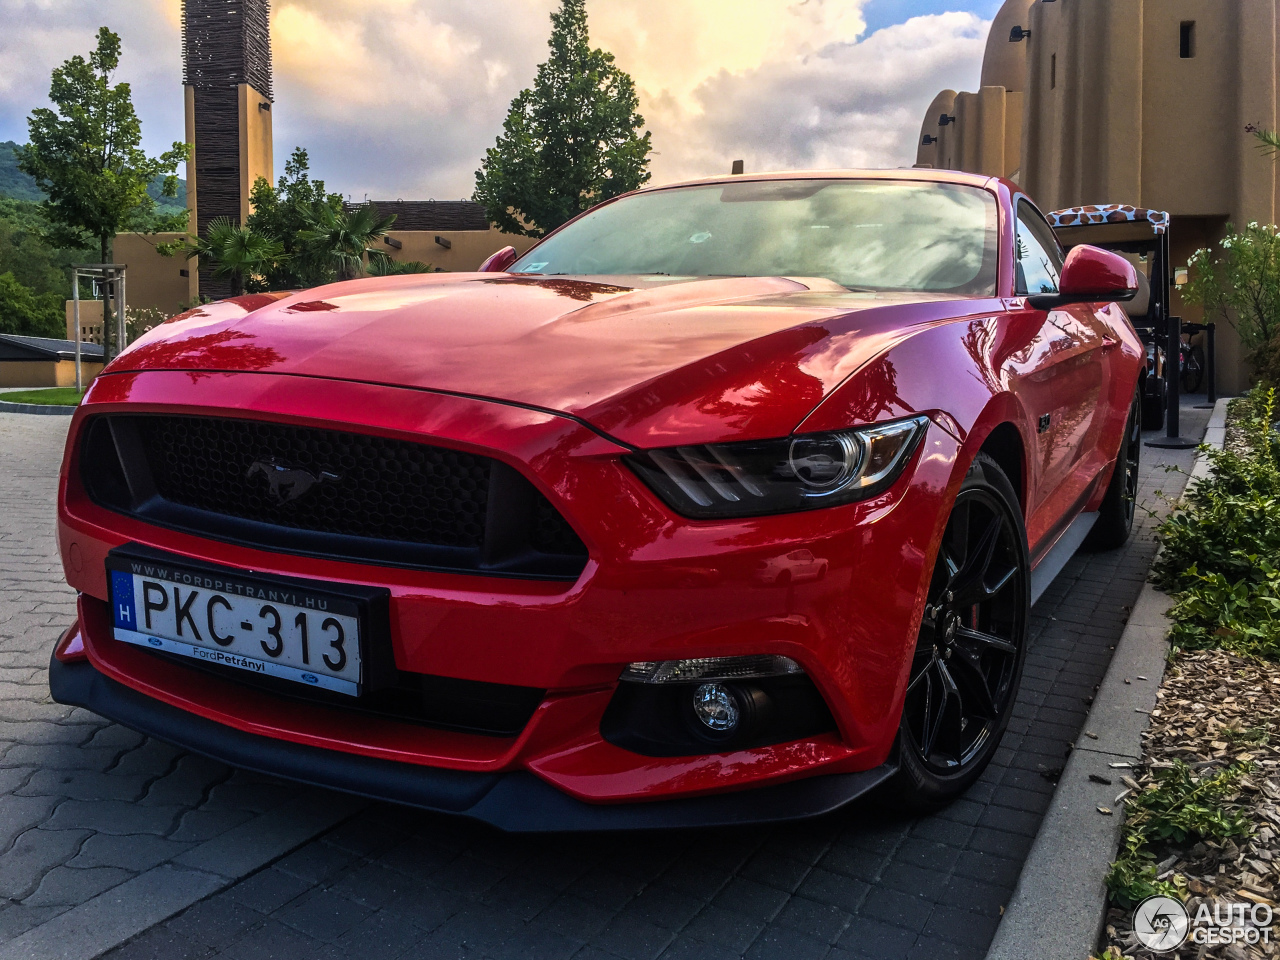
{"points": [[839, 591], [515, 801]]}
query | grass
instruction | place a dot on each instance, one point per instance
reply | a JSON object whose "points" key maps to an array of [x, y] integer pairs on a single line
{"points": [[53, 396]]}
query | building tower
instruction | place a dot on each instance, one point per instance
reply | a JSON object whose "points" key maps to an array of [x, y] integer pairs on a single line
{"points": [[226, 57]]}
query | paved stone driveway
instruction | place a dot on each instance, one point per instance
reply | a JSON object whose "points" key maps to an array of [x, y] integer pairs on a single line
{"points": [[92, 802], [86, 806]]}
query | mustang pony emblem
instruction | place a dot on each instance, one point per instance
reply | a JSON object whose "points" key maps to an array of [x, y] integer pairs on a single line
{"points": [[287, 484]]}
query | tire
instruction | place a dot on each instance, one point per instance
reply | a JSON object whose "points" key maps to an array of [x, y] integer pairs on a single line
{"points": [[1153, 404], [1115, 517], [966, 650]]}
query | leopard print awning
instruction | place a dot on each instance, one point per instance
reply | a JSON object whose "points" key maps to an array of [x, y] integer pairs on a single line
{"points": [[1109, 213]]}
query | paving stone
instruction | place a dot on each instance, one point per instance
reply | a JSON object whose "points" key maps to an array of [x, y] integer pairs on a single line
{"points": [[136, 852], [160, 943], [631, 938], [18, 918], [323, 914], [785, 943], [271, 941], [834, 889], [32, 856], [377, 937], [876, 938], [781, 872], [214, 922], [819, 920], [269, 890], [907, 910], [575, 918], [83, 785], [726, 929], [187, 784], [115, 817], [754, 899], [20, 814], [66, 886], [664, 906], [961, 926]]}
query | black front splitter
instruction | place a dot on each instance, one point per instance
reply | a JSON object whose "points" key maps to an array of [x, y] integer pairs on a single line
{"points": [[518, 802]]}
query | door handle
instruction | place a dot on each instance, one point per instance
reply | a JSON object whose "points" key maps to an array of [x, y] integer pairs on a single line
{"points": [[1109, 343]]}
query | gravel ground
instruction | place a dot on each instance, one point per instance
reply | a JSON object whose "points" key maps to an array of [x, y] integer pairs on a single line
{"points": [[1215, 709]]}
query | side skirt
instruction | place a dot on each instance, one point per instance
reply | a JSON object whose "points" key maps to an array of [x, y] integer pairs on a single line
{"points": [[1051, 563]]}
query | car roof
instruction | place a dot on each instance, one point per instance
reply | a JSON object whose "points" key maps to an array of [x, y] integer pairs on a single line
{"points": [[918, 174]]}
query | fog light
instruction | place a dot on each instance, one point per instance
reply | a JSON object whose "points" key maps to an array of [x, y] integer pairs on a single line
{"points": [[716, 708]]}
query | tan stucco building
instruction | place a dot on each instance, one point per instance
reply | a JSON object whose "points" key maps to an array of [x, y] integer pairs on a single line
{"points": [[1128, 101]]}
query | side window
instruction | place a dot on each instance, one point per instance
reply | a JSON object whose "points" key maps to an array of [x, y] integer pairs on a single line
{"points": [[1037, 257]]}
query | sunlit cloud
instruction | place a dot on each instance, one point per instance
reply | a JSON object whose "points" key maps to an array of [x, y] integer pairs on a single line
{"points": [[400, 98]]}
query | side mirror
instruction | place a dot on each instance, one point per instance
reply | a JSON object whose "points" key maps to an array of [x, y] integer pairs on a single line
{"points": [[1091, 275], [499, 262]]}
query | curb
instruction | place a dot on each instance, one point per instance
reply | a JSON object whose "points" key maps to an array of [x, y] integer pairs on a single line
{"points": [[44, 408], [116, 915], [1060, 901]]}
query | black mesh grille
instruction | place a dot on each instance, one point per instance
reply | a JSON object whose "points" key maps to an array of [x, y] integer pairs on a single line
{"points": [[328, 493], [366, 487]]}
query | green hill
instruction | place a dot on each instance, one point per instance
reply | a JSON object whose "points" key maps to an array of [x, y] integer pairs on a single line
{"points": [[16, 184]]}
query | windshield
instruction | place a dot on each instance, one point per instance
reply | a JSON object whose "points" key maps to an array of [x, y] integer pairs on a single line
{"points": [[862, 234]]}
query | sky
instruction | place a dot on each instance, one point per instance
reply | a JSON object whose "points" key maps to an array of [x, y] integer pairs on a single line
{"points": [[400, 98]]}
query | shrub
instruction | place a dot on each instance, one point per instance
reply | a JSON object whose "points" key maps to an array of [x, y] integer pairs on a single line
{"points": [[1241, 281], [1178, 808], [1220, 544]]}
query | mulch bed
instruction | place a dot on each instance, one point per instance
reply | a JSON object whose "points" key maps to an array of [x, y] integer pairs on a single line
{"points": [[1216, 708]]}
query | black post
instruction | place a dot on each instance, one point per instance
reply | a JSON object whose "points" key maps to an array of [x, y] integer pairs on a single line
{"points": [[1211, 361], [1172, 361]]}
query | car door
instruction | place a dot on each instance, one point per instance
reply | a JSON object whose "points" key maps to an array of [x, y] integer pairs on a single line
{"points": [[1064, 385]]}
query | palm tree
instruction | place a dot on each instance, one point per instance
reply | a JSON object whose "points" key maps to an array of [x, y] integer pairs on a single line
{"points": [[386, 267], [1268, 140], [344, 239], [236, 252]]}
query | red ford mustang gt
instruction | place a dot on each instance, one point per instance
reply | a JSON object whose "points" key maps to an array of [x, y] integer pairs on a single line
{"points": [[725, 503]]}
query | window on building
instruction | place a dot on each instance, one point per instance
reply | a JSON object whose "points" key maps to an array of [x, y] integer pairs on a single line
{"points": [[1187, 39], [1053, 71], [1037, 257]]}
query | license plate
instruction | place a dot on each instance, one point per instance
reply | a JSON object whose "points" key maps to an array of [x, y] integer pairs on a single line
{"points": [[260, 626]]}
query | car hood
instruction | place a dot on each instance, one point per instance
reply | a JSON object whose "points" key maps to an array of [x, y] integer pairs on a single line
{"points": [[650, 361]]}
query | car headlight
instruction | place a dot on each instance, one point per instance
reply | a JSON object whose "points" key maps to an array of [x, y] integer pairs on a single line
{"points": [[759, 477]]}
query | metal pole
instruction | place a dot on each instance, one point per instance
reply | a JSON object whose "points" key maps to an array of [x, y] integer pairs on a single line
{"points": [[1172, 363], [1173, 381], [124, 310], [1211, 361], [75, 313]]}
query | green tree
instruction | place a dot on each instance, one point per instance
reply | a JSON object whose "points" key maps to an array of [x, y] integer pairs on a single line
{"points": [[30, 314], [345, 240], [86, 157], [1241, 282], [23, 252], [571, 142], [238, 253], [282, 212]]}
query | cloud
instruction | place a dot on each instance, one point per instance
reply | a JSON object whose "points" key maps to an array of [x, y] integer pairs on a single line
{"points": [[39, 35], [400, 98], [847, 104]]}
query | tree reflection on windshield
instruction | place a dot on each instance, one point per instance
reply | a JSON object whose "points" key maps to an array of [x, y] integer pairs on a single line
{"points": [[868, 235]]}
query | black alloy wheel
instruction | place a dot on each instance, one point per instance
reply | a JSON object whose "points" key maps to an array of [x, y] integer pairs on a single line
{"points": [[968, 657]]}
